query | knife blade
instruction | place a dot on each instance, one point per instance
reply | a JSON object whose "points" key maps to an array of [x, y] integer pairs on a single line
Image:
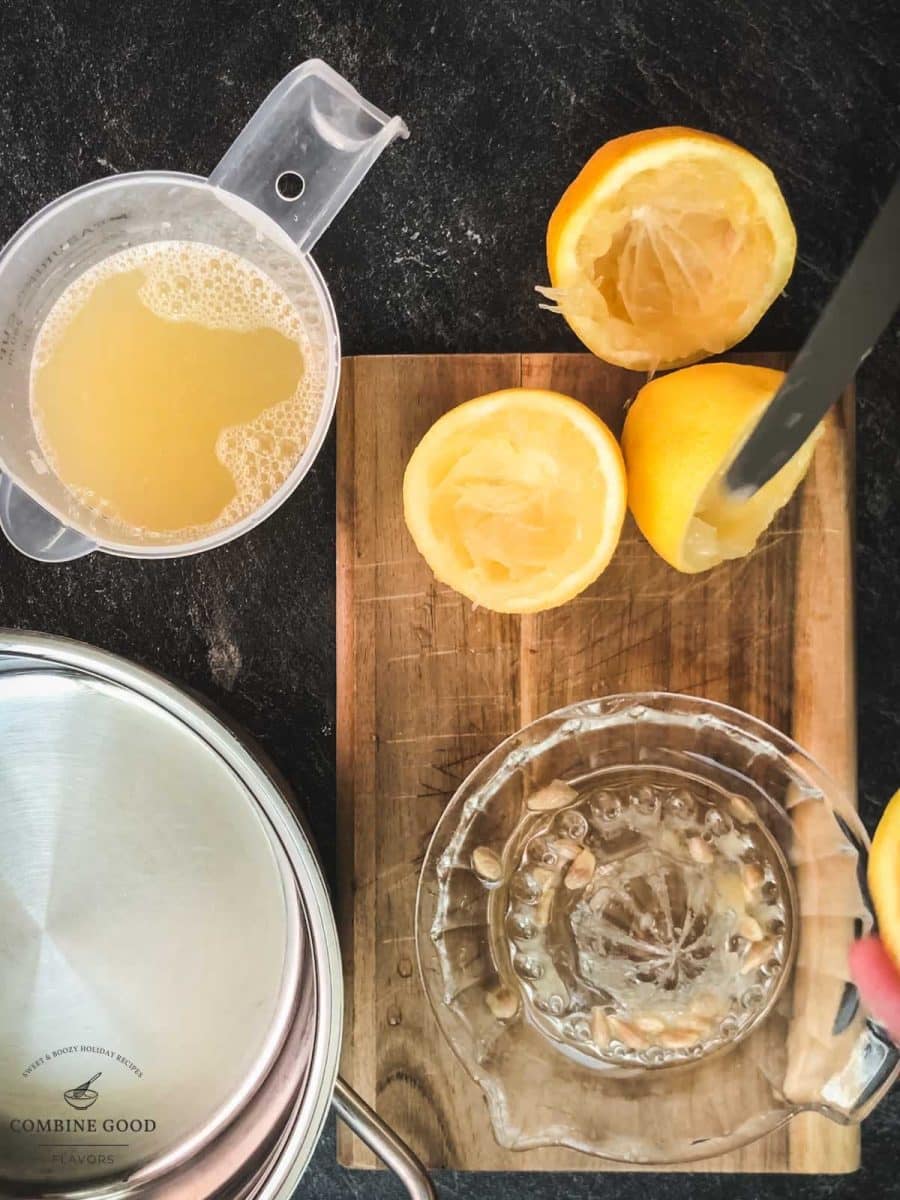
{"points": [[857, 314]]}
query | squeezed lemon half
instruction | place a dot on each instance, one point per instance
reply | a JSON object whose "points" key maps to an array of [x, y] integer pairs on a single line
{"points": [[667, 247], [681, 434], [516, 499]]}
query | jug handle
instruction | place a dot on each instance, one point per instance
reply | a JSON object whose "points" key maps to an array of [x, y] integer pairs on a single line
{"points": [[304, 151], [34, 531], [871, 1070]]}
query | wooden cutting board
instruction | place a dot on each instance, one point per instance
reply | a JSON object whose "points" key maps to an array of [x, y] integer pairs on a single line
{"points": [[427, 686]]}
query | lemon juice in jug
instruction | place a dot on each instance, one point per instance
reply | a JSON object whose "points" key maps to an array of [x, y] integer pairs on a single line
{"points": [[172, 389]]}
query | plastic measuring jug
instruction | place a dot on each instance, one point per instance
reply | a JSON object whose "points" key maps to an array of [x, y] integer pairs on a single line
{"points": [[279, 186]]}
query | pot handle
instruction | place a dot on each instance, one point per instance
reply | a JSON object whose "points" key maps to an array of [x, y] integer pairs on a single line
{"points": [[381, 1140]]}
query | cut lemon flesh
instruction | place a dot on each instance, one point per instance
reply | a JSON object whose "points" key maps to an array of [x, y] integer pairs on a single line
{"points": [[668, 246], [681, 434], [516, 499], [884, 878]]}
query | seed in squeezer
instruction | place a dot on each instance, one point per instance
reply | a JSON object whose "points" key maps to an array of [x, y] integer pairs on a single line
{"points": [[599, 1028], [556, 794], [752, 877], [757, 954], [487, 863], [548, 880], [650, 1024], [567, 848], [581, 871], [503, 1003], [627, 1033], [741, 810]]}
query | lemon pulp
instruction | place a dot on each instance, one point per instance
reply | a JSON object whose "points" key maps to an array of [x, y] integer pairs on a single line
{"points": [[520, 499], [516, 499], [673, 263]]}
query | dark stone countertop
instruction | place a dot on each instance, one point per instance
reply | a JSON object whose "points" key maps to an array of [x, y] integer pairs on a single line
{"points": [[439, 251]]}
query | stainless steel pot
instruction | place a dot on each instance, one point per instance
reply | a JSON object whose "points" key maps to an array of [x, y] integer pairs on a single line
{"points": [[171, 999]]}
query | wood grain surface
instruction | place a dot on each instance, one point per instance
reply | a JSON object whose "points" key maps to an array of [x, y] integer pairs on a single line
{"points": [[427, 686]]}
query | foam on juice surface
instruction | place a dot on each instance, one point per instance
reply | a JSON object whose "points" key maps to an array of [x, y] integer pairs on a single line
{"points": [[197, 287]]}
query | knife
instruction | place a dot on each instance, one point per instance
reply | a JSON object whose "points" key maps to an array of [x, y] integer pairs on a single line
{"points": [[854, 318]]}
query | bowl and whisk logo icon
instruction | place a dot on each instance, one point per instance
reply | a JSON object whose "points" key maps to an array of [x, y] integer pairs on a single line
{"points": [[84, 1095]]}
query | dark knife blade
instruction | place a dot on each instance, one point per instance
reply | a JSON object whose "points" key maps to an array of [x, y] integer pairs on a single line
{"points": [[853, 320]]}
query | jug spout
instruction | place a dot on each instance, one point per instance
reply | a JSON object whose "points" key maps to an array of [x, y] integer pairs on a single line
{"points": [[305, 150], [36, 532]]}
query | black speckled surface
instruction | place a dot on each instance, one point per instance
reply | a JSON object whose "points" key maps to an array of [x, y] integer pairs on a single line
{"points": [[439, 251]]}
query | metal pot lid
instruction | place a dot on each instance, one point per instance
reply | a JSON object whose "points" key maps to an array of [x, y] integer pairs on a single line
{"points": [[151, 931]]}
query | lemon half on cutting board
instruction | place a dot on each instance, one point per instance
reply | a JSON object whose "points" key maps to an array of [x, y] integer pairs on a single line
{"points": [[681, 434], [668, 247], [516, 499]]}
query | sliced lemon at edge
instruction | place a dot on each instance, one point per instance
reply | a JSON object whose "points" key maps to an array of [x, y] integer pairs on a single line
{"points": [[884, 877]]}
